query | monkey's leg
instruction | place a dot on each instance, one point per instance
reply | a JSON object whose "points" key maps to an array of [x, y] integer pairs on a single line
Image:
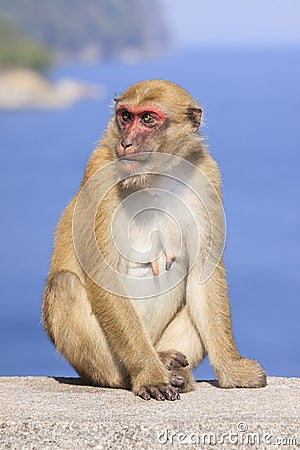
{"points": [[126, 333], [180, 348], [76, 333], [209, 309]]}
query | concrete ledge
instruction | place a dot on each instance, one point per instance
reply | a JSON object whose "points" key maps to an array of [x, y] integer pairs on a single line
{"points": [[48, 413]]}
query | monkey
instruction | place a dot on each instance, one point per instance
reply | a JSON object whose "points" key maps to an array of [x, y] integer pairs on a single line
{"points": [[124, 301]]}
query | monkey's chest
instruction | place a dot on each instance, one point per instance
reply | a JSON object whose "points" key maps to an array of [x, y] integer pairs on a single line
{"points": [[153, 259]]}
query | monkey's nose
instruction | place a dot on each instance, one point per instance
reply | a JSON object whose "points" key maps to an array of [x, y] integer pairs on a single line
{"points": [[126, 142]]}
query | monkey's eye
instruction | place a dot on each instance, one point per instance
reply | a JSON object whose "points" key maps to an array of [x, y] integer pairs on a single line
{"points": [[126, 116], [147, 119]]}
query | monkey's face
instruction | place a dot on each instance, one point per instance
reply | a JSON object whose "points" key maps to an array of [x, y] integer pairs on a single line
{"points": [[141, 134], [153, 117]]}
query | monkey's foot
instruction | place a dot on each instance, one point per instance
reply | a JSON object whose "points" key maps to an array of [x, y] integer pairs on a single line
{"points": [[160, 392], [181, 376], [242, 373]]}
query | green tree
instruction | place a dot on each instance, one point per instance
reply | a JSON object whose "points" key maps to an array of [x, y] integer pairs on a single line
{"points": [[19, 50]]}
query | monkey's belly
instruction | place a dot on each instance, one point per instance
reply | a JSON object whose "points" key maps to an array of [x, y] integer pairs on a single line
{"points": [[157, 310]]}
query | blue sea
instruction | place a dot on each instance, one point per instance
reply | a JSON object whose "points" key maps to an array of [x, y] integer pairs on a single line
{"points": [[251, 101]]}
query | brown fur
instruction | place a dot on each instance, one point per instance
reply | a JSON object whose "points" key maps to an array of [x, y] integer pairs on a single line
{"points": [[104, 336]]}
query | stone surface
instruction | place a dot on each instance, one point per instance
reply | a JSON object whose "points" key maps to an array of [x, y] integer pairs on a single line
{"points": [[61, 413]]}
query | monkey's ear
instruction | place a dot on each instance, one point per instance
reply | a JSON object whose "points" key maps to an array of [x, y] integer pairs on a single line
{"points": [[194, 114]]}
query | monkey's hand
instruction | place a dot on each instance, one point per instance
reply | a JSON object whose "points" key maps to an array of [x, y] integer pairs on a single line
{"points": [[160, 392], [153, 381], [180, 375]]}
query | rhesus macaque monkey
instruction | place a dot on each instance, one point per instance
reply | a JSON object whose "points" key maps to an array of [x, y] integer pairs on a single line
{"points": [[143, 322]]}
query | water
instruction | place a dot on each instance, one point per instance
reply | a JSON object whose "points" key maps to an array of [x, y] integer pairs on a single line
{"points": [[252, 109]]}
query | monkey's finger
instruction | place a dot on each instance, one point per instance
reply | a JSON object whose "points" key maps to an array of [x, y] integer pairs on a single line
{"points": [[176, 360], [173, 359], [142, 392], [169, 392], [156, 393]]}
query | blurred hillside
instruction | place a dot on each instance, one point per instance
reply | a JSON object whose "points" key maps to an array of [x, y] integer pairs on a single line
{"points": [[73, 29], [18, 50]]}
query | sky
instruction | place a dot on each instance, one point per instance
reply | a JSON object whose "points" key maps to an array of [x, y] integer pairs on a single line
{"points": [[238, 23]]}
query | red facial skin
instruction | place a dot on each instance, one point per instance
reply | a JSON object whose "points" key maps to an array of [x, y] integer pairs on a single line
{"points": [[137, 129]]}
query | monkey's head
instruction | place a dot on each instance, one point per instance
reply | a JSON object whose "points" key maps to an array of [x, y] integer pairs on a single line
{"points": [[155, 116]]}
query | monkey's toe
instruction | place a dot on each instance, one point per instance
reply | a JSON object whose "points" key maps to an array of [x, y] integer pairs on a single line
{"points": [[182, 378], [160, 393], [177, 381], [169, 392]]}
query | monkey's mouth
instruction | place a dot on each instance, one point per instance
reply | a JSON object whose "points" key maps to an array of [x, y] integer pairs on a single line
{"points": [[134, 158]]}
